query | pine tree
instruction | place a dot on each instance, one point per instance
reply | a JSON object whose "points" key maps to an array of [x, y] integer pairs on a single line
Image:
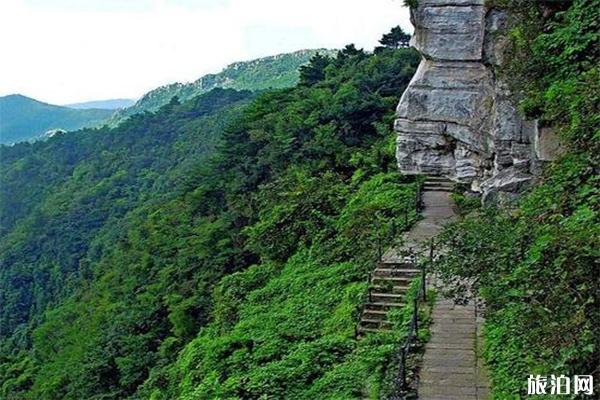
{"points": [[314, 71], [396, 38]]}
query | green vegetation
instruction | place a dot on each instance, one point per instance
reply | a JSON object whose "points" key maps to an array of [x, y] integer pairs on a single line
{"points": [[536, 266], [147, 262], [24, 119], [274, 72], [465, 203], [218, 247], [64, 200]]}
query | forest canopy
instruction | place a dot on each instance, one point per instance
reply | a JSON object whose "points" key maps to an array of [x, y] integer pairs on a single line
{"points": [[132, 251]]}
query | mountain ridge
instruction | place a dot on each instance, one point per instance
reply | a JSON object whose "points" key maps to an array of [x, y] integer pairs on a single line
{"points": [[107, 104], [37, 118], [270, 72]]}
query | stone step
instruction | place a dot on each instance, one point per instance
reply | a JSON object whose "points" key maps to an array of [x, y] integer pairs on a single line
{"points": [[390, 289], [454, 320], [363, 330], [457, 332], [448, 364], [455, 309], [372, 311], [451, 354], [436, 188], [438, 183], [449, 342], [393, 272], [448, 390], [448, 335], [452, 304], [461, 319], [378, 322], [393, 279], [444, 371], [451, 381], [383, 296], [429, 376], [395, 265], [432, 178], [375, 315], [383, 305]]}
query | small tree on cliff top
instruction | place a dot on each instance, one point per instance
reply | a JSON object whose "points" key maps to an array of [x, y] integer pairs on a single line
{"points": [[396, 38]]}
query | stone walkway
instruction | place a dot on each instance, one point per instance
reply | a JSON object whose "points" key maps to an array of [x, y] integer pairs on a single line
{"points": [[437, 211], [391, 277], [451, 366]]}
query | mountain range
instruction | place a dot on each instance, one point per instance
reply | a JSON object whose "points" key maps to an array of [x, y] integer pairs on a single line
{"points": [[23, 118], [120, 246], [231, 246]]}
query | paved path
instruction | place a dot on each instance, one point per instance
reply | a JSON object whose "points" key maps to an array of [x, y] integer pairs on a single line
{"points": [[437, 211], [451, 367]]}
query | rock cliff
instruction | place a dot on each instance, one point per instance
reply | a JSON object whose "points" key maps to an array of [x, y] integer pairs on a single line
{"points": [[456, 118]]}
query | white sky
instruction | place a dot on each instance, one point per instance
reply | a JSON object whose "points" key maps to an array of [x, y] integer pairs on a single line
{"points": [[66, 51]]}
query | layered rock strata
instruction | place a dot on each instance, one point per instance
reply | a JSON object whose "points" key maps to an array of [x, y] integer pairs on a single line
{"points": [[456, 119]]}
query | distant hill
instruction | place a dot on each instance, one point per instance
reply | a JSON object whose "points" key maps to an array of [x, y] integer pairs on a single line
{"points": [[271, 72], [111, 104], [23, 118]]}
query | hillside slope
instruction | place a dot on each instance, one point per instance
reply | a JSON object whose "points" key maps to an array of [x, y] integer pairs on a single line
{"points": [[271, 72], [142, 252], [23, 118], [59, 196]]}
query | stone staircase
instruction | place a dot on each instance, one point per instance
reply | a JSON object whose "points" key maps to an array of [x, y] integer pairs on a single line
{"points": [[451, 367], [390, 280], [388, 285], [438, 184]]}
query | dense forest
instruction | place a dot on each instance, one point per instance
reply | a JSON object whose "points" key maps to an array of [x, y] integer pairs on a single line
{"points": [[215, 248], [81, 185]]}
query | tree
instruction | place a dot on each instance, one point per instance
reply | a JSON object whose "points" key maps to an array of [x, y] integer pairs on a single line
{"points": [[314, 71], [396, 38], [350, 50]]}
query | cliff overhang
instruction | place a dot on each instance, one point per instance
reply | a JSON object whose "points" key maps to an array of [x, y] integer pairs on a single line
{"points": [[457, 118]]}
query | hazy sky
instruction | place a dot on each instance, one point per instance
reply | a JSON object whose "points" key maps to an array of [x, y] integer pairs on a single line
{"points": [[64, 51]]}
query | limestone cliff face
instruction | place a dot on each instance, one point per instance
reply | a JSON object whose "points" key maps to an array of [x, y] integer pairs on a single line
{"points": [[456, 118]]}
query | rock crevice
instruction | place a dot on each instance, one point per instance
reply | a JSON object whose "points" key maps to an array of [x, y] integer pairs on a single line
{"points": [[455, 118]]}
